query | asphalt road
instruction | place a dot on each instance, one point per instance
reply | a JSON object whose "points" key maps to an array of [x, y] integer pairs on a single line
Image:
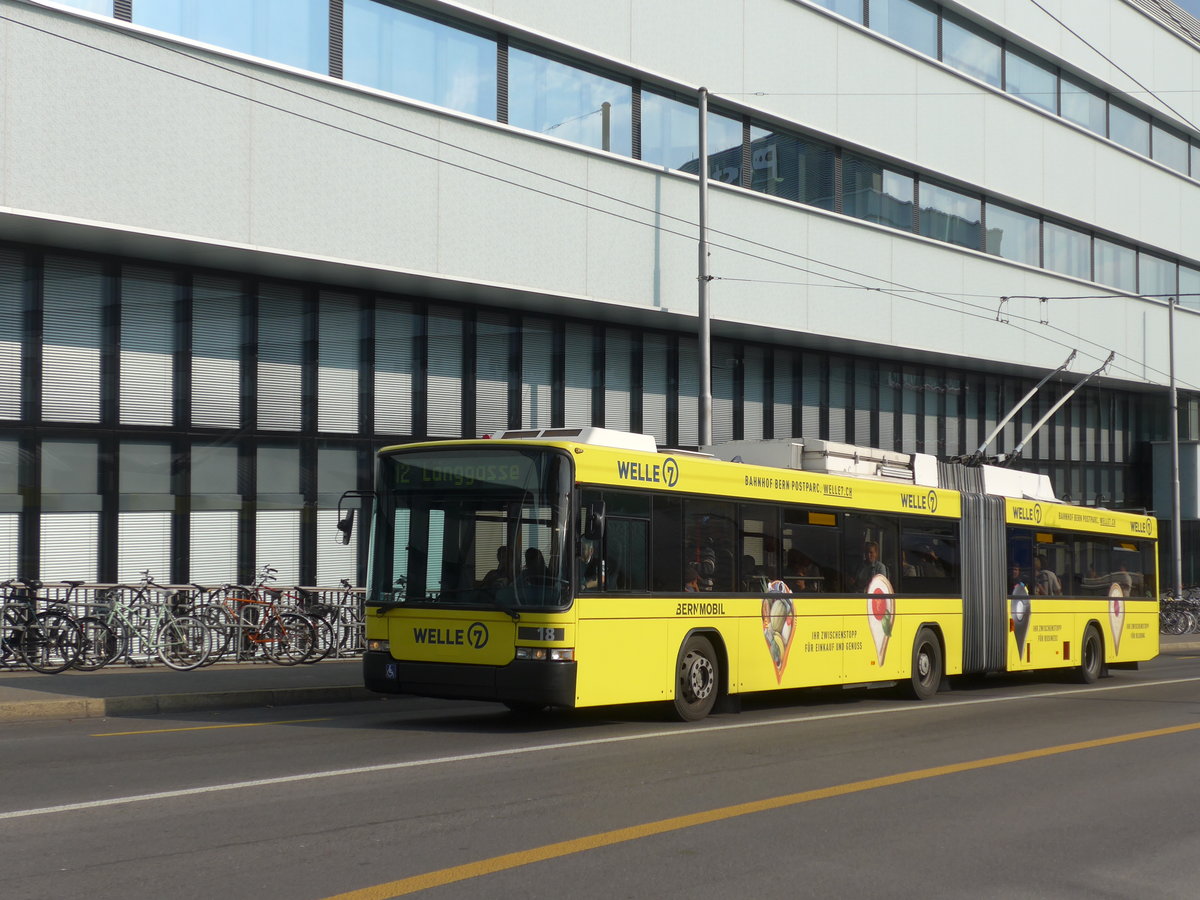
{"points": [[1008, 788]]}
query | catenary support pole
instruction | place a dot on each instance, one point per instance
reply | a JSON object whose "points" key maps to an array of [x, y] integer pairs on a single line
{"points": [[704, 337], [1176, 524]]}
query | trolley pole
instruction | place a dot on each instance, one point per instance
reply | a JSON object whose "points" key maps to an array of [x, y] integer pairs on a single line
{"points": [[1176, 525], [704, 336]]}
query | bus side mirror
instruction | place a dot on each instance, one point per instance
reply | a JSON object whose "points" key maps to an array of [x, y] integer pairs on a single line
{"points": [[346, 526], [593, 529]]}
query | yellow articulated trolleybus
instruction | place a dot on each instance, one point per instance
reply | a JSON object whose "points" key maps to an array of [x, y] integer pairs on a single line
{"points": [[584, 567]]}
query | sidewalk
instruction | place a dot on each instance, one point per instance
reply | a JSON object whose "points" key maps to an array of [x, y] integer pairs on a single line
{"points": [[157, 689], [124, 691]]}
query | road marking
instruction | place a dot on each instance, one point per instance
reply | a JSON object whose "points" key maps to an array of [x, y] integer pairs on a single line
{"points": [[677, 823], [692, 732], [208, 727]]}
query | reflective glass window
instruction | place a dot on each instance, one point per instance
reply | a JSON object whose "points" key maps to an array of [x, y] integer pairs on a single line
{"points": [[910, 22], [1156, 276], [724, 149], [1116, 265], [969, 50], [295, 32], [567, 102], [785, 165], [1129, 129], [670, 133], [1084, 105], [875, 193], [1013, 235], [1169, 148], [1189, 287], [396, 51], [950, 216], [1195, 161], [1068, 251], [1030, 79], [851, 9]]}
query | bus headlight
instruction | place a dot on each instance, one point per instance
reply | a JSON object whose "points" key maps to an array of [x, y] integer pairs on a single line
{"points": [[379, 646], [553, 654]]}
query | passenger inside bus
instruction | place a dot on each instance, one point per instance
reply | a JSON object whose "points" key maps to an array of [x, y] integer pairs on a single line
{"points": [[871, 566], [535, 567], [499, 576], [801, 573]]}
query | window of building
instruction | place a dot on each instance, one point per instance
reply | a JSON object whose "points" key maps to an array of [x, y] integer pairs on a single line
{"points": [[1013, 235], [1189, 287], [1156, 276], [1030, 79], [786, 165], [417, 57], [147, 346], [911, 22], [1129, 128], [875, 193], [72, 328], [294, 32], [1084, 105], [1169, 148], [1195, 157], [564, 101], [950, 216], [1116, 265], [851, 9], [970, 50], [1068, 251], [670, 133], [12, 306]]}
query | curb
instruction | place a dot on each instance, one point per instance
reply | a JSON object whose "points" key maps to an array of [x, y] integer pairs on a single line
{"points": [[95, 708], [1175, 649]]}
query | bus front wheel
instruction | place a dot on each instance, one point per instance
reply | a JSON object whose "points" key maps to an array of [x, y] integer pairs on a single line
{"points": [[926, 665], [697, 679]]}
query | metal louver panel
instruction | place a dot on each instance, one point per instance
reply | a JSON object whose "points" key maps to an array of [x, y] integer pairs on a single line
{"points": [[9, 536], [909, 398], [689, 392], [782, 393], [618, 378], [839, 398], [810, 400], [753, 392], [213, 547], [492, 340], [537, 373], [12, 277], [73, 298], [655, 351], [445, 373], [335, 560], [887, 408], [338, 363], [147, 346], [280, 357], [394, 327], [723, 361], [69, 546], [931, 396], [577, 389], [277, 543], [216, 352], [864, 401], [144, 542], [985, 606]]}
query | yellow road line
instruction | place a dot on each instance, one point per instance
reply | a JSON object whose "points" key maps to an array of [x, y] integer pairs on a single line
{"points": [[608, 838], [207, 727]]}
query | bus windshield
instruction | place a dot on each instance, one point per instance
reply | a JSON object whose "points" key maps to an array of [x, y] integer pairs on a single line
{"points": [[473, 527]]}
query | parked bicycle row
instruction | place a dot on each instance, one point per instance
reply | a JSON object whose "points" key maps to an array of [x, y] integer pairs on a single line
{"points": [[51, 628], [1180, 616]]}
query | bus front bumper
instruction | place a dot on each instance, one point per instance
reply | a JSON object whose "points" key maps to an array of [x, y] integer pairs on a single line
{"points": [[521, 681]]}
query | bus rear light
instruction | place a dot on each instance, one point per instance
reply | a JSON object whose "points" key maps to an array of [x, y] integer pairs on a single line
{"points": [[562, 654], [379, 646]]}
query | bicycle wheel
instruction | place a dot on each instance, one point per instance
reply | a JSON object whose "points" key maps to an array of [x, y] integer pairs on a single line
{"points": [[184, 642], [325, 640], [289, 639], [101, 644], [225, 629], [51, 642]]}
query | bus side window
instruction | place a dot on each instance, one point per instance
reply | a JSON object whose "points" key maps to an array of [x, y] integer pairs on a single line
{"points": [[710, 528], [667, 552]]}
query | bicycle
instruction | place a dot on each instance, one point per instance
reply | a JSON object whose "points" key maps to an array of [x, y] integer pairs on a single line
{"points": [[254, 620], [182, 642], [48, 642]]}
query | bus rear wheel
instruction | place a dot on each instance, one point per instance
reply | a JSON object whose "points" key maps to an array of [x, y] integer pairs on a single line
{"points": [[697, 679], [1091, 657], [926, 665]]}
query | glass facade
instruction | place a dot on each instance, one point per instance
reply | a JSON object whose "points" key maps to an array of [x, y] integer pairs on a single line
{"points": [[1129, 128], [1115, 265], [789, 166], [971, 51], [294, 32], [877, 194], [1030, 79], [1013, 235], [950, 215], [211, 504], [416, 57], [1084, 105], [913, 23], [1067, 250]]}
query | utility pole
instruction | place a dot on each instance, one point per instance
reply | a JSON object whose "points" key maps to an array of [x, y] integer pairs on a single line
{"points": [[704, 336], [1176, 524]]}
